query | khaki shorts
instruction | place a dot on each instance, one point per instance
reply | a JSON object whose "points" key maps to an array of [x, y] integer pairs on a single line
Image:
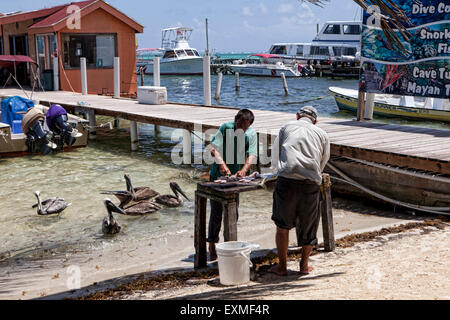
{"points": [[296, 204]]}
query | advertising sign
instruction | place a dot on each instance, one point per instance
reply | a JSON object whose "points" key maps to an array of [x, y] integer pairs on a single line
{"points": [[422, 69]]}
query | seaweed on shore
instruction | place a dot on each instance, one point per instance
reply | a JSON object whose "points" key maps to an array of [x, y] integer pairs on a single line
{"points": [[184, 279]]}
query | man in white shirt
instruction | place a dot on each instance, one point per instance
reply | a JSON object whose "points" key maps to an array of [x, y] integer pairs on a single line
{"points": [[304, 150]]}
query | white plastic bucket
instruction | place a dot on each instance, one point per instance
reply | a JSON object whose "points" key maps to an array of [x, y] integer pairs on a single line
{"points": [[234, 262]]}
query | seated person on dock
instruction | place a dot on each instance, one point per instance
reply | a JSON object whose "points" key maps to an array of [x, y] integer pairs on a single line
{"points": [[239, 138], [303, 150], [57, 122]]}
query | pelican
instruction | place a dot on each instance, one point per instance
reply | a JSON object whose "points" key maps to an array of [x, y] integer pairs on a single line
{"points": [[172, 201], [140, 193], [49, 206], [132, 194], [142, 208], [110, 225]]}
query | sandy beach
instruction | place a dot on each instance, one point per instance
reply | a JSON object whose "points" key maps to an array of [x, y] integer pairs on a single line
{"points": [[409, 265]]}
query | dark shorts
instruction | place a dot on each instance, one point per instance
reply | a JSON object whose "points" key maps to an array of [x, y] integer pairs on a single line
{"points": [[296, 205]]}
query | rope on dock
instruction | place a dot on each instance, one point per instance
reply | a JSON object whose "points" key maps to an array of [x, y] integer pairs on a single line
{"points": [[305, 101], [107, 124], [346, 179]]}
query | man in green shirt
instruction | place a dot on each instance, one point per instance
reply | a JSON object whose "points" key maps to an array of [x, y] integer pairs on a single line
{"points": [[234, 148]]}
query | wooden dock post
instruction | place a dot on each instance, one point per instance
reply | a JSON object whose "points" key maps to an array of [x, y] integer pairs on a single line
{"points": [[55, 74], [219, 86], [83, 69], [157, 82], [187, 147], [236, 74], [157, 71], [361, 105], [134, 135], [92, 124], [117, 77], [141, 72], [369, 105], [327, 213], [116, 123], [157, 130], [285, 85], [207, 80]]}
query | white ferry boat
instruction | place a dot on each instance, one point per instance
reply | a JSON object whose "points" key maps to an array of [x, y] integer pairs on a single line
{"points": [[337, 41], [177, 57], [317, 51], [344, 32]]}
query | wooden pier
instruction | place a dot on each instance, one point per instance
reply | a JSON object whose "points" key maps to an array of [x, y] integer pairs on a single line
{"points": [[397, 145]]}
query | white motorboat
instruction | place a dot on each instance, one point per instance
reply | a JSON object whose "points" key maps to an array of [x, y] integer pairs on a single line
{"points": [[177, 57], [338, 41], [266, 69]]}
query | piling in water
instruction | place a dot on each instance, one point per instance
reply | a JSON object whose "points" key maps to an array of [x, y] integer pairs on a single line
{"points": [[219, 86], [134, 135], [187, 147], [285, 85], [156, 72], [237, 81], [370, 101], [207, 80]]}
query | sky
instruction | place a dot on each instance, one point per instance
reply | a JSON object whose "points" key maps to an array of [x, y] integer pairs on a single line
{"points": [[234, 25]]}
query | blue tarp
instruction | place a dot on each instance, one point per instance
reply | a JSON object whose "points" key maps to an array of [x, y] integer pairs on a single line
{"points": [[10, 108]]}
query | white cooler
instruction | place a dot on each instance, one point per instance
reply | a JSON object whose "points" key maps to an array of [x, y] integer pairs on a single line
{"points": [[152, 95]]}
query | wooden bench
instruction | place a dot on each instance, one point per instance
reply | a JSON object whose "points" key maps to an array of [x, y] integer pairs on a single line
{"points": [[228, 196]]}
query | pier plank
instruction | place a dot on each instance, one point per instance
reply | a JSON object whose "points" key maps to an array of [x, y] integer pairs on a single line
{"points": [[412, 146]]}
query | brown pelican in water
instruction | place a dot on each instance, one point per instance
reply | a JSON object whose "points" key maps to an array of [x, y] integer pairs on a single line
{"points": [[172, 201], [110, 225], [142, 208], [49, 206], [132, 194]]}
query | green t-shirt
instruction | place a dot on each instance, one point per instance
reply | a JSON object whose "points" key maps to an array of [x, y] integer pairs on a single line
{"points": [[227, 142]]}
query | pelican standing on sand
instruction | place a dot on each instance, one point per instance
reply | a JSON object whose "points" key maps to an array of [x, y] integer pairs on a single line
{"points": [[132, 194], [172, 201], [110, 225], [49, 206], [142, 208]]}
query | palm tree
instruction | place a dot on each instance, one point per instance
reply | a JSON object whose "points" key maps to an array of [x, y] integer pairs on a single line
{"points": [[391, 17]]}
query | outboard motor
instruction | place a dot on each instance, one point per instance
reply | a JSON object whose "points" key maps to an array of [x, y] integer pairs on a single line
{"points": [[38, 139], [57, 122]]}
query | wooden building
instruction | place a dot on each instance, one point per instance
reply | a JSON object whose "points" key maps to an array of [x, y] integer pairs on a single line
{"points": [[91, 29]]}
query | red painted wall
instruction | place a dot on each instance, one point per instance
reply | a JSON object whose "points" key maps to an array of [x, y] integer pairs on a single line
{"points": [[99, 21]]}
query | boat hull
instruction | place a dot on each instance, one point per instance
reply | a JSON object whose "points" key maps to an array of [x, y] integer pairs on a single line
{"points": [[350, 103], [190, 66], [262, 71]]}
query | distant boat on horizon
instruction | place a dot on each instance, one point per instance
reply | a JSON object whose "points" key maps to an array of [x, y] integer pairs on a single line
{"points": [[177, 57]]}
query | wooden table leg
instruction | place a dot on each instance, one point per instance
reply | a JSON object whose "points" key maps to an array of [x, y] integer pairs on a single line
{"points": [[200, 260], [230, 220], [327, 214]]}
